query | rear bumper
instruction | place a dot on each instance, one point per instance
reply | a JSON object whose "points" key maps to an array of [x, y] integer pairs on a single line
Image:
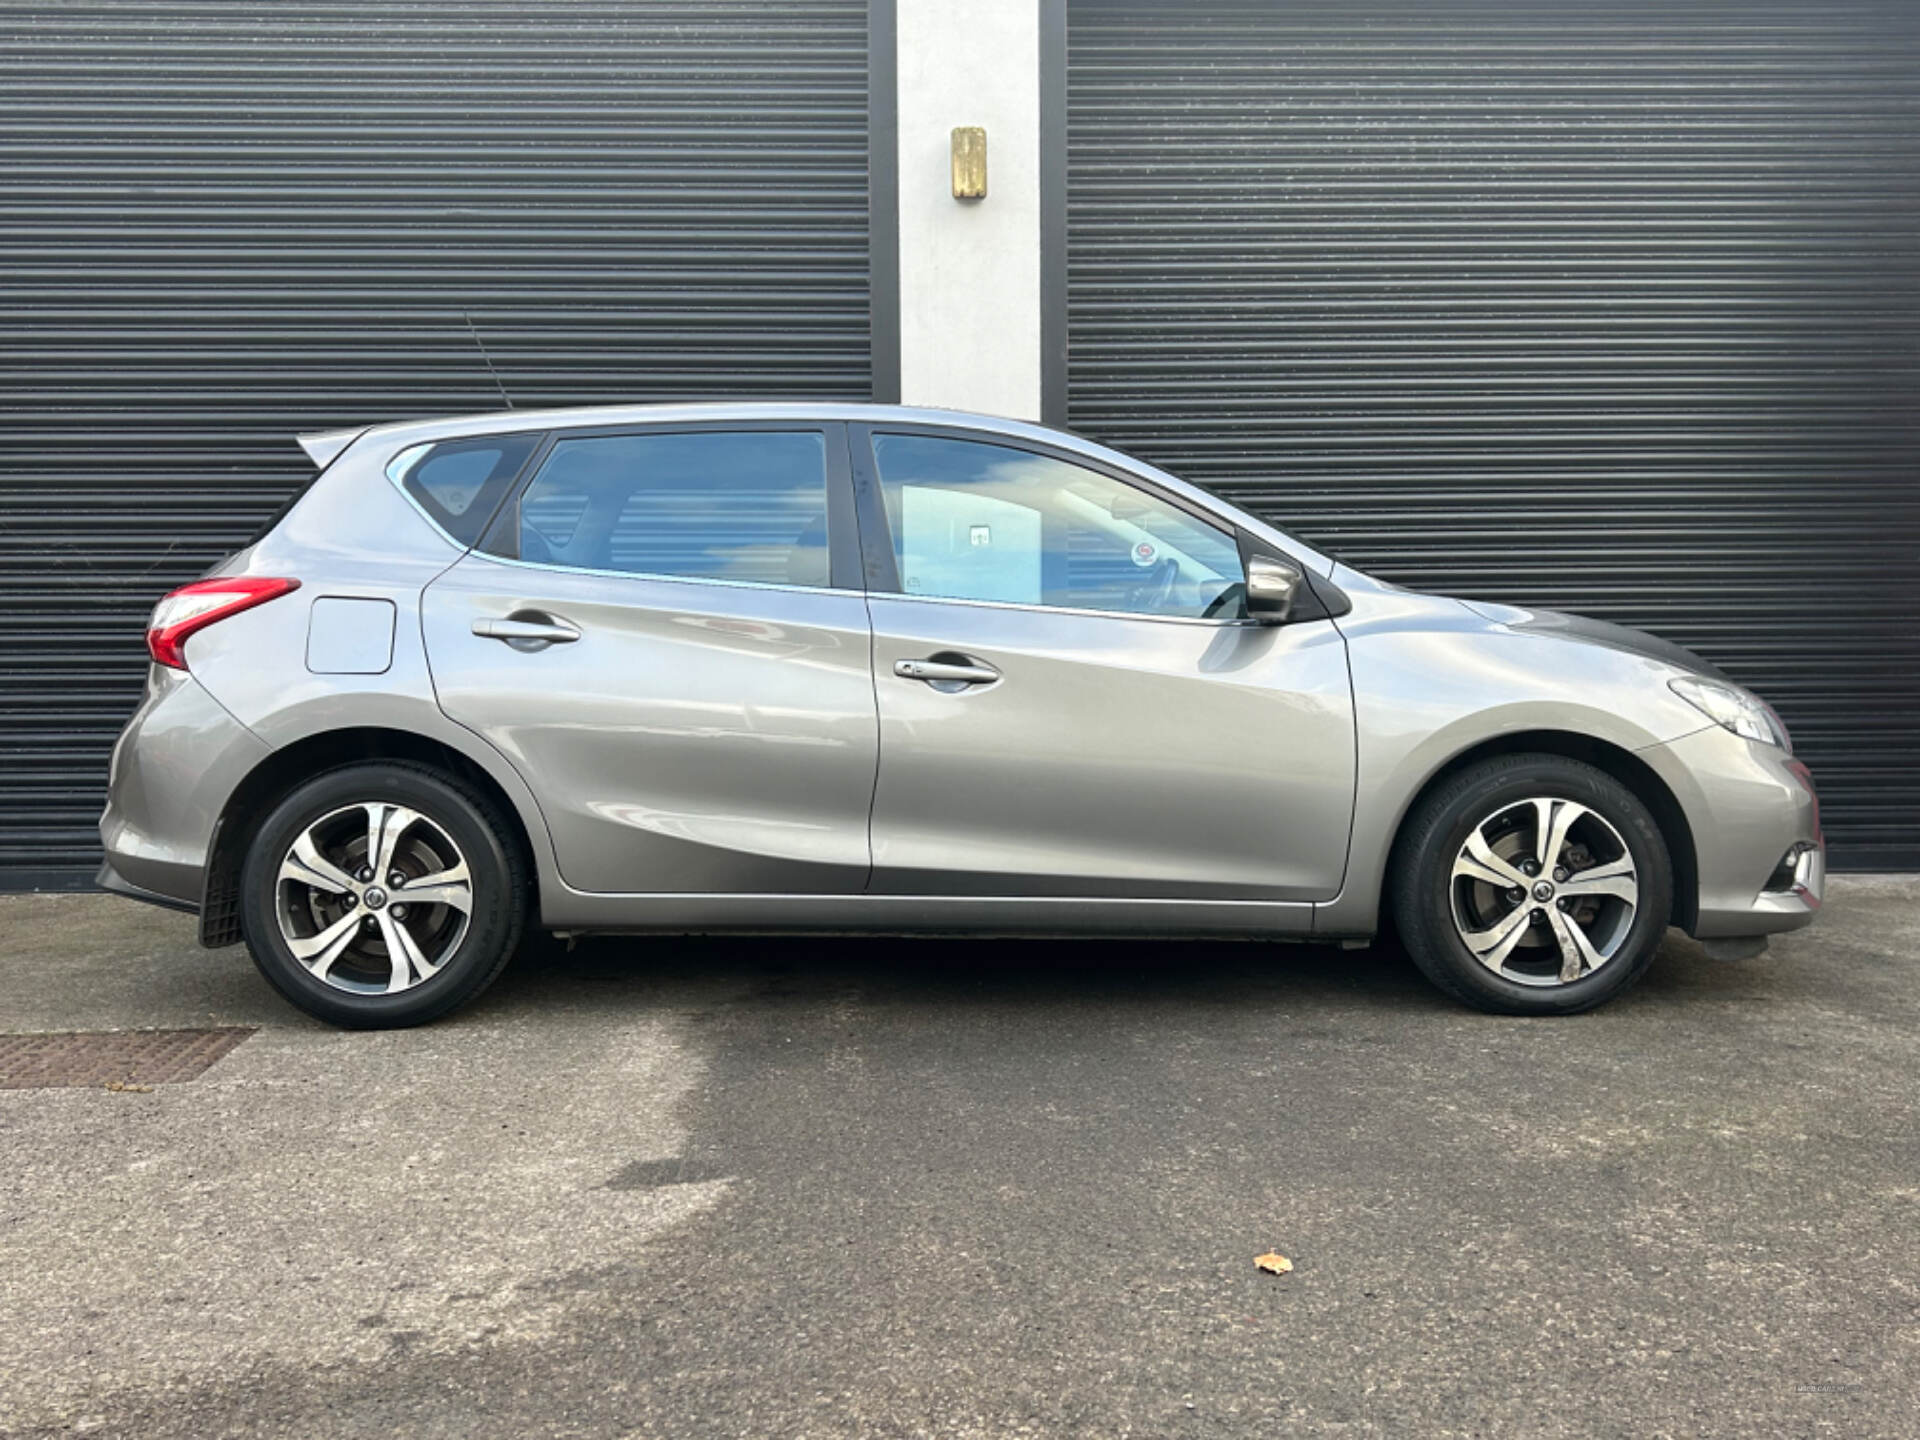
{"points": [[111, 881], [1755, 820], [174, 767]]}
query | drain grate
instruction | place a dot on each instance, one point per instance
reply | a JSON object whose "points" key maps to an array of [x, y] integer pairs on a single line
{"points": [[112, 1057]]}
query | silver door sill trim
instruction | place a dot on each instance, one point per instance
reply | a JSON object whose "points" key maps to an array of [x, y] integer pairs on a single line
{"points": [[565, 909]]}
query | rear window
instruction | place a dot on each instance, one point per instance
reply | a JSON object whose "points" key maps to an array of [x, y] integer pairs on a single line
{"points": [[460, 483]]}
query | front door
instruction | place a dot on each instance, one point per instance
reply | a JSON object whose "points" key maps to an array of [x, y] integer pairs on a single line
{"points": [[658, 644], [1071, 700]]}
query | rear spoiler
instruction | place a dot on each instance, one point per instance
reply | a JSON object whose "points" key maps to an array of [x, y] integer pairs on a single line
{"points": [[324, 446]]}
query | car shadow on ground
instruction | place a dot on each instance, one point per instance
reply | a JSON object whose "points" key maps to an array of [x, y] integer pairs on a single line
{"points": [[1039, 973]]}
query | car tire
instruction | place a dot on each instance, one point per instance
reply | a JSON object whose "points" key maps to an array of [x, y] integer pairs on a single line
{"points": [[1567, 940], [381, 954]]}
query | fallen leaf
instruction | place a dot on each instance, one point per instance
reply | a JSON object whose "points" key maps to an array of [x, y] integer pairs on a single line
{"points": [[1273, 1264]]}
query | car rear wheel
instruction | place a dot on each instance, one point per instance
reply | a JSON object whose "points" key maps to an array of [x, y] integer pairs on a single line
{"points": [[1532, 885], [382, 894]]}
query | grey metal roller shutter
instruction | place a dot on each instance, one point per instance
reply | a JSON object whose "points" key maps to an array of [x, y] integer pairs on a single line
{"points": [[1611, 307], [221, 224]]}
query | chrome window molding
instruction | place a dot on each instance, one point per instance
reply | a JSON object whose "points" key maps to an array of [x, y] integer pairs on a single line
{"points": [[552, 568], [1014, 605], [1023, 606]]}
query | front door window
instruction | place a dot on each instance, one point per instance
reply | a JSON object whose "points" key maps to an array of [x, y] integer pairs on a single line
{"points": [[974, 521]]}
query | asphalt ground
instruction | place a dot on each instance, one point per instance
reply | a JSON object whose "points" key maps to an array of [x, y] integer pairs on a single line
{"points": [[687, 1188]]}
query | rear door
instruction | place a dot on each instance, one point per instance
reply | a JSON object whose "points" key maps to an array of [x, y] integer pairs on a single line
{"points": [[664, 632], [1071, 700]]}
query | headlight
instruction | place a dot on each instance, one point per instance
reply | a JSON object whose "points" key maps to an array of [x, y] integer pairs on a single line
{"points": [[1744, 714]]}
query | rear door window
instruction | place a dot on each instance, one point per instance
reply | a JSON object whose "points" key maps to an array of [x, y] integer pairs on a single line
{"points": [[743, 506]]}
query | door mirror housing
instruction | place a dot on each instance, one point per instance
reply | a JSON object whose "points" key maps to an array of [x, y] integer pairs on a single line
{"points": [[1272, 587]]}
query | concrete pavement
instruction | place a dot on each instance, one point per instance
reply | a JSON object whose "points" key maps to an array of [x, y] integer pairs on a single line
{"points": [[825, 1188]]}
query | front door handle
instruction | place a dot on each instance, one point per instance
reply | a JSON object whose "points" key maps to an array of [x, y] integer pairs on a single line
{"points": [[527, 634], [938, 672]]}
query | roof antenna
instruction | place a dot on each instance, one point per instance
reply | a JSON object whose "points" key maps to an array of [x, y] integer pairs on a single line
{"points": [[488, 358]]}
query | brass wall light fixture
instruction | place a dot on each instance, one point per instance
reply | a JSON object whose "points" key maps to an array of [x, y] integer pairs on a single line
{"points": [[969, 162]]}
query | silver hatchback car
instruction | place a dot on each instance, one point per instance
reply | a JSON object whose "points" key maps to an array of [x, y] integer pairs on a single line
{"points": [[854, 667]]}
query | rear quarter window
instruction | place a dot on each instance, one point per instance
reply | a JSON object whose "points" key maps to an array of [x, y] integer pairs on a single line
{"points": [[460, 483]]}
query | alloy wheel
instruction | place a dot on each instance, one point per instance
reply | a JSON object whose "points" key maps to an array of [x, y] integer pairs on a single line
{"points": [[373, 898], [1544, 891]]}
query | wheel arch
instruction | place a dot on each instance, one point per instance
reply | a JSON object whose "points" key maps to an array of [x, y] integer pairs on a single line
{"points": [[1622, 764], [325, 750]]}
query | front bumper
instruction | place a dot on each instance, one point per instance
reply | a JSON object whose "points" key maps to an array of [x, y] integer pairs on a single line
{"points": [[174, 768], [1758, 850]]}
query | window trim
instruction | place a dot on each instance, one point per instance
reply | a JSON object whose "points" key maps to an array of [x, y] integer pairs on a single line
{"points": [[652, 577], [1020, 605], [501, 538], [881, 567]]}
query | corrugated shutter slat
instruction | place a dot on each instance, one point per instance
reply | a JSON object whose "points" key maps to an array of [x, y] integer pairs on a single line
{"points": [[1612, 308], [220, 225]]}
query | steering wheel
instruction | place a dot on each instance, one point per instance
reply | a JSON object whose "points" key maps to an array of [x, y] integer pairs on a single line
{"points": [[1153, 593]]}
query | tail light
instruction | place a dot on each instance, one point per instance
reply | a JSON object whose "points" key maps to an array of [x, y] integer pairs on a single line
{"points": [[194, 607]]}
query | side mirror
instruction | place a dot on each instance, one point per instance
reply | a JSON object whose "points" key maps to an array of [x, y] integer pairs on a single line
{"points": [[1272, 585]]}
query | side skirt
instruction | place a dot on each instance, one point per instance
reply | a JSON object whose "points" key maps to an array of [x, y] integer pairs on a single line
{"points": [[579, 913]]}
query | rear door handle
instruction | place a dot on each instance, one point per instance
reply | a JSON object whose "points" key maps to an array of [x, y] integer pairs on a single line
{"points": [[938, 671], [527, 633]]}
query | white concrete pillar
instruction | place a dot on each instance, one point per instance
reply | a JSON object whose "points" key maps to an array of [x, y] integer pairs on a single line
{"points": [[969, 269]]}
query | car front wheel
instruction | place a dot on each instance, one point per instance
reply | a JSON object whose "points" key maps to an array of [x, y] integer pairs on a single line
{"points": [[382, 895], [1532, 885]]}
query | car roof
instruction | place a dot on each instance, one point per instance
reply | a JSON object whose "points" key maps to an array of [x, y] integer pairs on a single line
{"points": [[322, 446]]}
